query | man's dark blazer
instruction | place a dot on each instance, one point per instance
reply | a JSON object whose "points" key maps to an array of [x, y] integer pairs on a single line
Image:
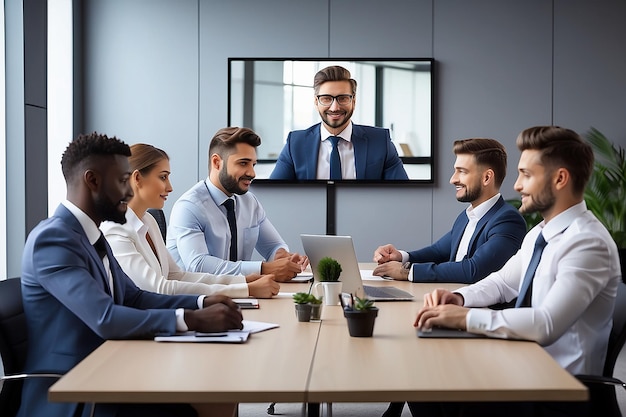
{"points": [[375, 157], [498, 236], [69, 312]]}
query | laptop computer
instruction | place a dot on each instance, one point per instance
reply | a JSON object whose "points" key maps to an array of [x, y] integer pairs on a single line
{"points": [[341, 248]]}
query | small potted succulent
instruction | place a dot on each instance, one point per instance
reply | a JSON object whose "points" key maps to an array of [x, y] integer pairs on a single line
{"points": [[303, 307], [361, 316], [316, 307]]}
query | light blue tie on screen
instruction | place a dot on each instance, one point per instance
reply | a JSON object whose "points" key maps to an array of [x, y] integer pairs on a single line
{"points": [[335, 161], [523, 299]]}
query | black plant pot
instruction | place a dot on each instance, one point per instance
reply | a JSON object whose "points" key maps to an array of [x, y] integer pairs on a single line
{"points": [[361, 323]]}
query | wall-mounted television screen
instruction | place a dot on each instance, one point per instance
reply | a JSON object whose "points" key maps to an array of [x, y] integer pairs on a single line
{"points": [[274, 96]]}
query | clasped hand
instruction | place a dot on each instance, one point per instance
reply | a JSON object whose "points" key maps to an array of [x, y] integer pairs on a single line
{"points": [[219, 314], [442, 308]]}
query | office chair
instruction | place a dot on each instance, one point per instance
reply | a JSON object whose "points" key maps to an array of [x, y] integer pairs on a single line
{"points": [[13, 347], [602, 396], [159, 216]]}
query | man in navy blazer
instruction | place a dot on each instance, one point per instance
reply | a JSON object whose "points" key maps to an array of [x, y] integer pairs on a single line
{"points": [[483, 237], [362, 152], [75, 299]]}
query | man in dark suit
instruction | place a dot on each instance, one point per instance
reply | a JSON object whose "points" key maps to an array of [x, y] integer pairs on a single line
{"points": [[483, 237], [361, 152], [75, 294]]}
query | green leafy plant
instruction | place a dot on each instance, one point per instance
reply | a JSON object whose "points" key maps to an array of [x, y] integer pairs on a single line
{"points": [[328, 269], [315, 300], [532, 219], [363, 304], [605, 194], [301, 298]]}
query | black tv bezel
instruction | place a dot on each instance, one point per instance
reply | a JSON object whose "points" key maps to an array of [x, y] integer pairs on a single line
{"points": [[423, 160]]}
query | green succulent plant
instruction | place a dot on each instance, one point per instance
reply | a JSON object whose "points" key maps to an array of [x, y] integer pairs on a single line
{"points": [[328, 269], [301, 298], [363, 304], [315, 300]]}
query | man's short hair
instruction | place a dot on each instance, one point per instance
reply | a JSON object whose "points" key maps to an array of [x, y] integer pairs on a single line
{"points": [[80, 152], [333, 73], [488, 153], [560, 148], [226, 139]]}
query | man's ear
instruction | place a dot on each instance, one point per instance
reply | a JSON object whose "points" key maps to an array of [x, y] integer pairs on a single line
{"points": [[561, 178], [488, 177], [216, 162], [92, 179]]}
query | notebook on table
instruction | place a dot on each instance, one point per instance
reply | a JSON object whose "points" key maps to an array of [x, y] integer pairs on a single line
{"points": [[341, 248], [442, 332]]}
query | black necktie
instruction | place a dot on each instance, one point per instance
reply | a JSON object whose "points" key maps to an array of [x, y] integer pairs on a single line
{"points": [[335, 161], [100, 246], [101, 249], [232, 223], [523, 299]]}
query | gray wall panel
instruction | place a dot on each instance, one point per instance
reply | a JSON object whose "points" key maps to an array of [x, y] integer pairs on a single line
{"points": [[589, 66], [141, 78]]}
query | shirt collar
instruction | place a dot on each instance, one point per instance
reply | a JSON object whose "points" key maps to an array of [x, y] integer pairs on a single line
{"points": [[562, 221], [216, 194], [88, 225], [135, 222], [345, 134], [477, 213]]}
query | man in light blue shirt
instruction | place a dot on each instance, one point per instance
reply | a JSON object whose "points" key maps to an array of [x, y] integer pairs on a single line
{"points": [[199, 235]]}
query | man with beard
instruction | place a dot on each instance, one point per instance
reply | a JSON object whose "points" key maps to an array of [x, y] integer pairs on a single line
{"points": [[336, 148], [200, 236], [76, 295], [565, 276], [483, 237]]}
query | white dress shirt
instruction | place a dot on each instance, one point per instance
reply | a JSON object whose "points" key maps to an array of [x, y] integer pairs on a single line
{"points": [[159, 272], [198, 235], [573, 292], [346, 154]]}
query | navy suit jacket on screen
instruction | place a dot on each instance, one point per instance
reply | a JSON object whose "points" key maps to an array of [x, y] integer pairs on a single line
{"points": [[375, 157]]}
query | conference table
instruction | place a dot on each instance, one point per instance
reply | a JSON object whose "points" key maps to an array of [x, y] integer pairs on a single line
{"points": [[317, 362]]}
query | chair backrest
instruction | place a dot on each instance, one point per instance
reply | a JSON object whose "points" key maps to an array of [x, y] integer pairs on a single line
{"points": [[159, 216], [618, 332], [13, 342]]}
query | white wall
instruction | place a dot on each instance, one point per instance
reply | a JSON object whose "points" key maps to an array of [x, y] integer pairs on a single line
{"points": [[156, 71]]}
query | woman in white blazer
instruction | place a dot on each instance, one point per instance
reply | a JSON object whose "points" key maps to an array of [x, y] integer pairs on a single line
{"points": [[138, 244]]}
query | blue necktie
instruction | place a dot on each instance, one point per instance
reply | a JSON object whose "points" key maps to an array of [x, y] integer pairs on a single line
{"points": [[523, 299], [232, 224], [335, 161]]}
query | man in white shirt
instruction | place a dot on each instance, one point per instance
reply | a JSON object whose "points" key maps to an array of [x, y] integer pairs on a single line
{"points": [[200, 237], [571, 297]]}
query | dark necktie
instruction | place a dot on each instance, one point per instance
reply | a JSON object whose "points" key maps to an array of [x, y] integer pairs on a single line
{"points": [[523, 299], [100, 247], [232, 224], [335, 161]]}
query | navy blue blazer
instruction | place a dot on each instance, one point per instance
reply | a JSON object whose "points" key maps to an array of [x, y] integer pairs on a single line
{"points": [[498, 236], [69, 312], [375, 157]]}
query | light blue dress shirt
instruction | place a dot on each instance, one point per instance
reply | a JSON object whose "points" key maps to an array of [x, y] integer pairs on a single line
{"points": [[198, 236]]}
